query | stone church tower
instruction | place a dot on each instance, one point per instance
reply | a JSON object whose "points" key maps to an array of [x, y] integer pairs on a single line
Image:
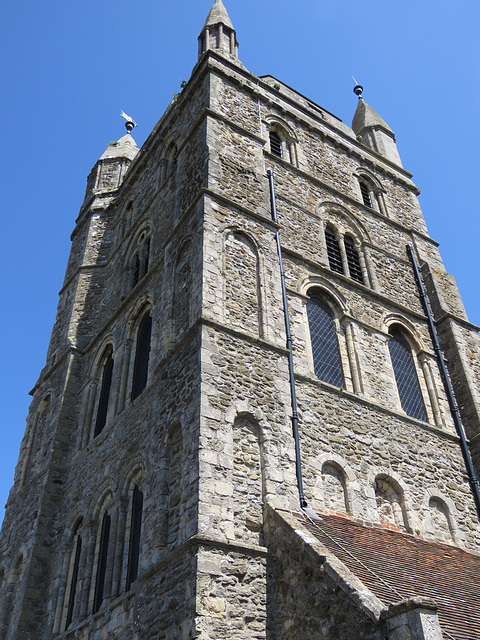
{"points": [[159, 492]]}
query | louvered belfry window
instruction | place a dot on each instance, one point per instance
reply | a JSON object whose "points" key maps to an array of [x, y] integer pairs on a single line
{"points": [[102, 563], [142, 355], [326, 354], [135, 531], [353, 260], [104, 394], [275, 144], [367, 200], [333, 252], [406, 378]]}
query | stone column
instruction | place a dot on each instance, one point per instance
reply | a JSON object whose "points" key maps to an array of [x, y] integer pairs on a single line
{"points": [[413, 619], [119, 547], [84, 595], [432, 391], [352, 356], [61, 587]]}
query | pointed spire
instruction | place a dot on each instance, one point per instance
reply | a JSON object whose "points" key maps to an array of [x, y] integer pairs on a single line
{"points": [[217, 14], [218, 33], [126, 147], [374, 132]]}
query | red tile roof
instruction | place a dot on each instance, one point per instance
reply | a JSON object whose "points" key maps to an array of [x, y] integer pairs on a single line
{"points": [[395, 565]]}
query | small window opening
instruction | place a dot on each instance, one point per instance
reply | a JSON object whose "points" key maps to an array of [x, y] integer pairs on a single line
{"points": [[353, 260], [333, 252], [102, 563], [135, 532], [275, 144], [367, 199], [73, 584], [104, 394], [140, 369]]}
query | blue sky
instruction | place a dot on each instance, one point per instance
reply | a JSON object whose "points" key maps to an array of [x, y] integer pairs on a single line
{"points": [[69, 68]]}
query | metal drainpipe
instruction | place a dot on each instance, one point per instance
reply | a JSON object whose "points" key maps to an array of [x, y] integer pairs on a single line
{"points": [[298, 462], [472, 476]]}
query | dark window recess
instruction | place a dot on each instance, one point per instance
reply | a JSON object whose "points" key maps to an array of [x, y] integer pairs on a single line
{"points": [[353, 260], [140, 368], [102, 563], [135, 531], [147, 257], [333, 252], [136, 270], [326, 354], [73, 583], [104, 395], [275, 144], [367, 200], [406, 378]]}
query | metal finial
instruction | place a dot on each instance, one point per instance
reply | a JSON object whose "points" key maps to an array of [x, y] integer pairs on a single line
{"points": [[130, 122], [357, 89]]}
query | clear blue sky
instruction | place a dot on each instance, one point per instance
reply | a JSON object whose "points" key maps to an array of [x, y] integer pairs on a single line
{"points": [[69, 68]]}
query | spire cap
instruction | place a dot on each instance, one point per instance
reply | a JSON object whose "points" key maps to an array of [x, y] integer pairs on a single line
{"points": [[366, 118], [126, 147], [217, 14]]}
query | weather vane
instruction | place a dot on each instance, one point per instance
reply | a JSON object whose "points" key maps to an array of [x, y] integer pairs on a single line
{"points": [[357, 89], [130, 122]]}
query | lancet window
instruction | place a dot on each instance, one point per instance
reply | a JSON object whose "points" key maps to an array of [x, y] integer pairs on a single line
{"points": [[324, 341], [135, 534], [409, 391], [106, 383], [142, 355]]}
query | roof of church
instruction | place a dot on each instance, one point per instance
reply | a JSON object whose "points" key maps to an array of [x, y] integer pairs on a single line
{"points": [[395, 566], [217, 14]]}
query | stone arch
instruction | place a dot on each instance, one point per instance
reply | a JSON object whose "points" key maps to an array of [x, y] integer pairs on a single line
{"points": [[326, 347], [99, 404], [413, 383], [370, 190], [243, 282], [335, 486], [282, 141], [342, 219], [390, 501], [138, 256], [248, 488], [73, 575], [441, 517], [168, 161]]}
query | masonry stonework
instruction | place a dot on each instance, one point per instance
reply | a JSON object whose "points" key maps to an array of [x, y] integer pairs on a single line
{"points": [[155, 495]]}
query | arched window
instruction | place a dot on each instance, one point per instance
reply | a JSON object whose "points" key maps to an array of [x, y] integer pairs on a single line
{"points": [[282, 144], [73, 576], [102, 409], [135, 532], [367, 192], [139, 262], [353, 260], [333, 251], [276, 144], [102, 562], [142, 355], [343, 256], [406, 377], [323, 335]]}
